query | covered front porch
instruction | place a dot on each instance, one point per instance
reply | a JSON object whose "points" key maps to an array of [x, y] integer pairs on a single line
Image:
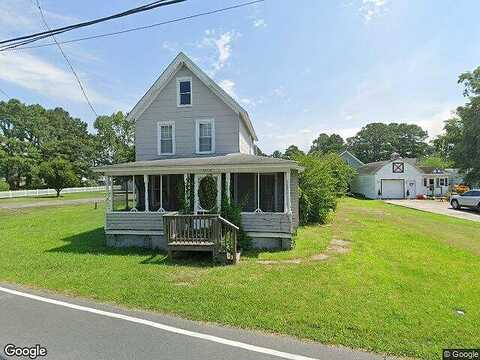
{"points": [[171, 207]]}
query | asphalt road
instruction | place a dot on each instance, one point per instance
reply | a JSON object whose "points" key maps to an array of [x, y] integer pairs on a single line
{"points": [[71, 328]]}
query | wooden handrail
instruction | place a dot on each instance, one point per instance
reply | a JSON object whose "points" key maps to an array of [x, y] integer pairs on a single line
{"points": [[209, 230], [225, 221]]}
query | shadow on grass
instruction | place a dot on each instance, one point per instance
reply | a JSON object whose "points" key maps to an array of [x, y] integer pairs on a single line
{"points": [[93, 243]]}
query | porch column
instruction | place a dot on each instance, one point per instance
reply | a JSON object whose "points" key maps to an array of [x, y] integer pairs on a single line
{"points": [[195, 192], [134, 193], [109, 192], [145, 180], [227, 185], [186, 194], [219, 192], [161, 209], [258, 210], [288, 202]]}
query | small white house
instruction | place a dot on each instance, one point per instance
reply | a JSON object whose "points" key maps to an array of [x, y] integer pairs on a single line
{"points": [[399, 178]]}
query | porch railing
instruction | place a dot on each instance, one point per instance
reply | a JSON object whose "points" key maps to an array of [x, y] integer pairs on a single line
{"points": [[206, 232]]}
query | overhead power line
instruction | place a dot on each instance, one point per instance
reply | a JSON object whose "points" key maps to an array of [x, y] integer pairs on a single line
{"points": [[26, 39], [67, 60], [140, 27], [4, 94]]}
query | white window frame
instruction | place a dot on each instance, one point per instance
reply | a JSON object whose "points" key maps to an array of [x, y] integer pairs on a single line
{"points": [[159, 143], [183, 79], [197, 135]]}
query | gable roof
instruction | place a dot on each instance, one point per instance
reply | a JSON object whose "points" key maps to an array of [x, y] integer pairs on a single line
{"points": [[183, 60], [346, 153], [373, 167]]}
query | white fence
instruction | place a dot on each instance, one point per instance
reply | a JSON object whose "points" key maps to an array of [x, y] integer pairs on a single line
{"points": [[40, 192]]}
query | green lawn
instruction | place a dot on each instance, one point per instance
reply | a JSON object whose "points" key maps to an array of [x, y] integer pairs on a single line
{"points": [[396, 292], [37, 199]]}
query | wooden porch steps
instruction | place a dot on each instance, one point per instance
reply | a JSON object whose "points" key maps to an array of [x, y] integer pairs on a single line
{"points": [[202, 233]]}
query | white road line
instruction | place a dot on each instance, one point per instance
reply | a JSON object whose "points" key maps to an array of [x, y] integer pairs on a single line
{"points": [[172, 329]]}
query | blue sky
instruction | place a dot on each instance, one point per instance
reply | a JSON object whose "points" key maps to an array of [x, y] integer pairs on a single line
{"points": [[299, 67]]}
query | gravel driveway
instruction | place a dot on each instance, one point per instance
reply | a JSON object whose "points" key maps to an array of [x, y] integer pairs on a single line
{"points": [[437, 207]]}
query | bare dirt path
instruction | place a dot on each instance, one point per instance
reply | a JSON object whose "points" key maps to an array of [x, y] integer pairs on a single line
{"points": [[53, 203]]}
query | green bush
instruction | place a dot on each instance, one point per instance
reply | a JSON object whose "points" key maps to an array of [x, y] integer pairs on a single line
{"points": [[233, 213], [324, 180], [4, 185]]}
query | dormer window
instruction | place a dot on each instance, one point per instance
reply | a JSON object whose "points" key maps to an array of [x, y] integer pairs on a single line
{"points": [[166, 138], [205, 134], [184, 91], [398, 167]]}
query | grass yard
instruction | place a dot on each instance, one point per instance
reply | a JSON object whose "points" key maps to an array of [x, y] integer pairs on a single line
{"points": [[395, 292], [38, 199]]}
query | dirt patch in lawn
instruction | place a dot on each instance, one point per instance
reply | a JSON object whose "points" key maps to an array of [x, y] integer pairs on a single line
{"points": [[336, 247]]}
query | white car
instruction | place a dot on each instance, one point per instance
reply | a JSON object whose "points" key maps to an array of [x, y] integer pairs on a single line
{"points": [[470, 199]]}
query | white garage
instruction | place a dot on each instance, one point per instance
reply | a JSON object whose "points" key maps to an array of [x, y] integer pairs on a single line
{"points": [[391, 179], [393, 188]]}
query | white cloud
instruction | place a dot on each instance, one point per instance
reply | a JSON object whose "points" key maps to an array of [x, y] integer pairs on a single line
{"points": [[259, 23], [170, 46], [229, 86], [33, 73], [280, 92], [222, 45], [371, 9]]}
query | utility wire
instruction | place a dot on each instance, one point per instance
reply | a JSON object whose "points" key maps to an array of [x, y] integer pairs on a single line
{"points": [[42, 15], [26, 39], [140, 27], [4, 94]]}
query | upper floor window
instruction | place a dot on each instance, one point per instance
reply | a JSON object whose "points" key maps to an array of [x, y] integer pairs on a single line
{"points": [[398, 167], [184, 91], [166, 138], [205, 131]]}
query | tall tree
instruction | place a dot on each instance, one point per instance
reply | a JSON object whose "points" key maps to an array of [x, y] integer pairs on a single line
{"points": [[30, 134], [58, 174], [325, 143], [115, 139], [377, 141], [467, 152], [408, 140], [292, 152], [371, 143], [445, 145], [277, 154]]}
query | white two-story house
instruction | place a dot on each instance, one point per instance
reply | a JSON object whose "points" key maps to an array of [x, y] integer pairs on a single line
{"points": [[187, 129]]}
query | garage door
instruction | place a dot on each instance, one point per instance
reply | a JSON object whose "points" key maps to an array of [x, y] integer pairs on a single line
{"points": [[392, 189]]}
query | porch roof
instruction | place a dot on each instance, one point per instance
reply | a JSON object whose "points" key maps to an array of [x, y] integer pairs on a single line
{"points": [[222, 163]]}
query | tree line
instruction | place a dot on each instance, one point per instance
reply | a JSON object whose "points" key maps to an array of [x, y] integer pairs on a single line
{"points": [[48, 147], [458, 146]]}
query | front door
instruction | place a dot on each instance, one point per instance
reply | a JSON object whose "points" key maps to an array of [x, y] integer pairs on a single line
{"points": [[412, 189]]}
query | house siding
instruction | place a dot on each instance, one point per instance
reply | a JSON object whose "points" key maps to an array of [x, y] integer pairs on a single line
{"points": [[267, 222], [205, 105], [134, 221], [246, 144]]}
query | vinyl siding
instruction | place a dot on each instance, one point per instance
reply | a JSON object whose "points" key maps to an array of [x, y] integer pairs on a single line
{"points": [[267, 222], [205, 105], [245, 140], [134, 221]]}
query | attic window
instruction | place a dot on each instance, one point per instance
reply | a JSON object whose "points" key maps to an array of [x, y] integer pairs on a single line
{"points": [[184, 91], [398, 167]]}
